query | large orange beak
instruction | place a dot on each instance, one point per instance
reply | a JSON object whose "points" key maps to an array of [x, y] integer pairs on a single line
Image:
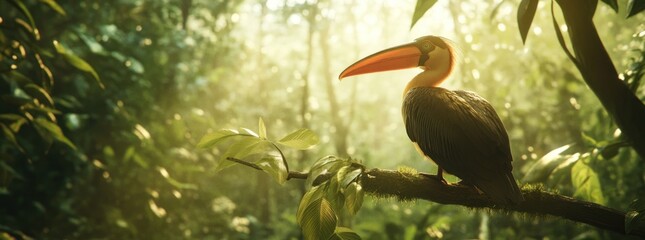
{"points": [[399, 57]]}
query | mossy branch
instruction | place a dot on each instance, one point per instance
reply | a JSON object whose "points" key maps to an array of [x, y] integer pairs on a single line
{"points": [[409, 185]]}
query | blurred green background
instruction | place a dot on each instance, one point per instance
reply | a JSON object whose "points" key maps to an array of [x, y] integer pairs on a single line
{"points": [[103, 102]]}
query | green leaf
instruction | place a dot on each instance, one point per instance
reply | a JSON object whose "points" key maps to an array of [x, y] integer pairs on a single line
{"points": [[329, 164], [586, 182], [333, 188], [335, 197], [91, 43], [562, 173], [525, 14], [240, 149], [10, 116], [318, 220], [39, 93], [6, 167], [249, 132], [634, 7], [343, 233], [274, 166], [541, 169], [78, 62], [420, 9], [560, 38], [353, 197], [15, 126], [213, 138], [300, 139], [310, 196], [53, 5], [19, 78], [347, 174], [324, 161], [21, 6], [262, 130], [40, 108], [589, 140], [181, 185], [50, 130], [9, 135], [410, 231], [612, 3], [129, 153]]}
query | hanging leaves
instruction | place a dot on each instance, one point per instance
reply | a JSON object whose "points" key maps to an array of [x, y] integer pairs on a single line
{"points": [[613, 4], [50, 131], [9, 135], [21, 6], [525, 14], [634, 7], [39, 93], [78, 62], [421, 8], [54, 5]]}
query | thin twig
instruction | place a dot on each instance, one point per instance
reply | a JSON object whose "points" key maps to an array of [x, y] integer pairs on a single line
{"points": [[240, 161], [297, 175]]}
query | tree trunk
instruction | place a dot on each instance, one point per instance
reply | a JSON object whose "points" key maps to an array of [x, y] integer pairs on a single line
{"points": [[340, 136], [600, 74]]}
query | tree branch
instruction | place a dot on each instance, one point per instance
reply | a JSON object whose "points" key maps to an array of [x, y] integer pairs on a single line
{"points": [[407, 186]]}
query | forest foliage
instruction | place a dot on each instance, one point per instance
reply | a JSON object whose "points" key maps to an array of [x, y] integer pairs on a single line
{"points": [[120, 119]]}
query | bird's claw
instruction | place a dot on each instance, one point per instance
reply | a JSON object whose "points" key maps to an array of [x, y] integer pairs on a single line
{"points": [[435, 177], [464, 183]]}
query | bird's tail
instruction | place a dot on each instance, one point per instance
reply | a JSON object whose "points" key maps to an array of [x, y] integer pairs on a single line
{"points": [[502, 190]]}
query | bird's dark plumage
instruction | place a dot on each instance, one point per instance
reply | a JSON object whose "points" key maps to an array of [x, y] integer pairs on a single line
{"points": [[461, 132]]}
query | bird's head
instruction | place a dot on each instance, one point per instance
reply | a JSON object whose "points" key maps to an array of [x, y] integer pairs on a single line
{"points": [[435, 55]]}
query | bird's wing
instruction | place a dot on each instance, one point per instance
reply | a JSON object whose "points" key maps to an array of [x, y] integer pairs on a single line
{"points": [[460, 131], [494, 126]]}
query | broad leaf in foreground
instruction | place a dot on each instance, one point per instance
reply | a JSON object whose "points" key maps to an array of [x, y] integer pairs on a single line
{"points": [[318, 220]]}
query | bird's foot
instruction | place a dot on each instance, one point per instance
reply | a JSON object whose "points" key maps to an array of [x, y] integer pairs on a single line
{"points": [[469, 185], [435, 177], [464, 183]]}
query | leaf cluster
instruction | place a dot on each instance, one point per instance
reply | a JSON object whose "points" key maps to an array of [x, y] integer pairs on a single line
{"points": [[256, 150]]}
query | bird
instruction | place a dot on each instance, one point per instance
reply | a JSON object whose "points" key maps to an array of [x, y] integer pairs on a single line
{"points": [[458, 130]]}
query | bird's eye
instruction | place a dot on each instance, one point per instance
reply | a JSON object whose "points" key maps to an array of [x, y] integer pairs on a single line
{"points": [[428, 47]]}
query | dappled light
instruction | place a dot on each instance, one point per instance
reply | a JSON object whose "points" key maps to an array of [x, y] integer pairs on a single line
{"points": [[197, 119]]}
